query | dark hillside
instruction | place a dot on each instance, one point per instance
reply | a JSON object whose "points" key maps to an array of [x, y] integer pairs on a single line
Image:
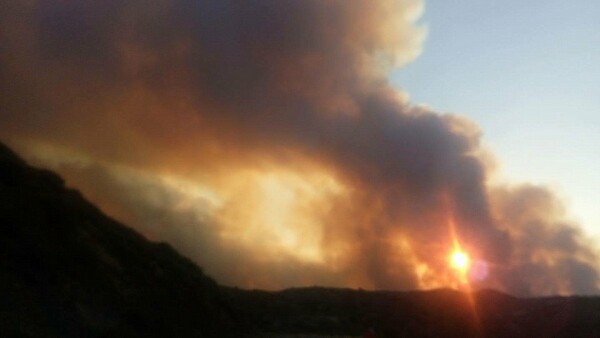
{"points": [[67, 270], [437, 313]]}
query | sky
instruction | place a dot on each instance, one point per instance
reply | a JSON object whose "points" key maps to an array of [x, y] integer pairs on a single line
{"points": [[528, 73], [283, 143]]}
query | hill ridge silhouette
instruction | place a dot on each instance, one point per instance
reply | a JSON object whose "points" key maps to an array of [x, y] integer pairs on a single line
{"points": [[68, 270]]}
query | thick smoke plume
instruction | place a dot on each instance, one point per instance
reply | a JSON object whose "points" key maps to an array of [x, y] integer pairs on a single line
{"points": [[262, 139]]}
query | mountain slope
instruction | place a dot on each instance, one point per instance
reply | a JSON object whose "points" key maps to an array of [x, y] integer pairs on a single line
{"points": [[67, 270]]}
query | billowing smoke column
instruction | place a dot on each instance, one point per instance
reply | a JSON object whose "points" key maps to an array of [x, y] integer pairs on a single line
{"points": [[261, 139]]}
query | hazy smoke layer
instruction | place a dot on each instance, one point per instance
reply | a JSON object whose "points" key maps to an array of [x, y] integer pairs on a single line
{"points": [[262, 139]]}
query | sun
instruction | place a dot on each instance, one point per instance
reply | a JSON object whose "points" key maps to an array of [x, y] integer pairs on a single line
{"points": [[460, 261]]}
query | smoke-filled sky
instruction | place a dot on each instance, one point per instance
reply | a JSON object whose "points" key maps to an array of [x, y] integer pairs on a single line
{"points": [[528, 73], [264, 140]]}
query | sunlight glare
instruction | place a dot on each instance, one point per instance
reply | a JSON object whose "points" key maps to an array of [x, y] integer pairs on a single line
{"points": [[460, 261]]}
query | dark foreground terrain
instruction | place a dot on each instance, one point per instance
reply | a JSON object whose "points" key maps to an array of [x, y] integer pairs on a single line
{"points": [[437, 313], [67, 270]]}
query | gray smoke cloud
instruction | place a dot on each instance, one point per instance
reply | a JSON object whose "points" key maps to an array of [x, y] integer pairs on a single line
{"points": [[262, 139]]}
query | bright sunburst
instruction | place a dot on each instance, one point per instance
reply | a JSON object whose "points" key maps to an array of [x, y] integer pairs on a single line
{"points": [[460, 261]]}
